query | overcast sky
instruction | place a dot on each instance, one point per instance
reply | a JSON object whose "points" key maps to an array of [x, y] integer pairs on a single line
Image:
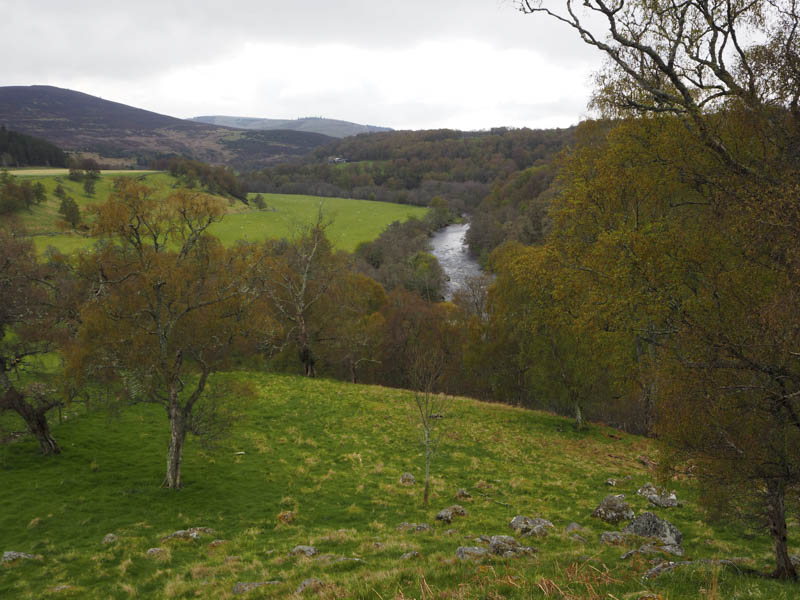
{"points": [[406, 64]]}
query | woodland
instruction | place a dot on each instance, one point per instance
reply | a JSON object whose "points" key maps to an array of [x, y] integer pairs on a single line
{"points": [[644, 267]]}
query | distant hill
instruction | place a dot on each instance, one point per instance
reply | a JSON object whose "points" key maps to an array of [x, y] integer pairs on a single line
{"points": [[331, 127], [124, 134]]}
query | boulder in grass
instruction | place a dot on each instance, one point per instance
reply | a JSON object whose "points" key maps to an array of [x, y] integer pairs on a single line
{"points": [[410, 555], [407, 479], [12, 555], [648, 525], [613, 509], [508, 547], [305, 550], [110, 539], [527, 526], [193, 533], [153, 552], [446, 515], [658, 497], [471, 552], [463, 494]]}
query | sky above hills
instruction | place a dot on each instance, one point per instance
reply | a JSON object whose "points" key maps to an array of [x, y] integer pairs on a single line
{"points": [[412, 64]]}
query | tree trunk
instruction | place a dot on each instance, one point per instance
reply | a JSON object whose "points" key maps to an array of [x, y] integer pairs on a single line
{"points": [[35, 418], [427, 438], [177, 425], [784, 569], [579, 422]]}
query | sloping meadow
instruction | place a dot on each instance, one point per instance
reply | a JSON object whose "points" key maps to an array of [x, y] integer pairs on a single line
{"points": [[315, 463]]}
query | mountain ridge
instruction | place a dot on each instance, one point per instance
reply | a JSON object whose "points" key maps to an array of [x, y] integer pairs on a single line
{"points": [[332, 127], [126, 135]]}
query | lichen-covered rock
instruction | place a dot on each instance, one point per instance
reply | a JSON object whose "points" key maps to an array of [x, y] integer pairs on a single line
{"points": [[527, 526], [11, 556], [192, 533], [649, 525], [407, 479], [110, 539], [410, 555], [507, 547], [613, 509], [312, 583], [152, 552], [471, 552], [306, 550], [446, 514], [242, 587], [658, 497]]}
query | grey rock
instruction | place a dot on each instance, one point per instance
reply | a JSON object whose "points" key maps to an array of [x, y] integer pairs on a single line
{"points": [[446, 514], [154, 552], [110, 538], [612, 482], [312, 583], [450, 532], [407, 479], [614, 509], [11, 556], [192, 533], [528, 526], [243, 587], [306, 550], [216, 543], [658, 497], [578, 538], [507, 546], [795, 558], [666, 567], [471, 552], [409, 555], [649, 525], [483, 539]]}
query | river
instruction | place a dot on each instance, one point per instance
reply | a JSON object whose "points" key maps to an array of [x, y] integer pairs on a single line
{"points": [[451, 251]]}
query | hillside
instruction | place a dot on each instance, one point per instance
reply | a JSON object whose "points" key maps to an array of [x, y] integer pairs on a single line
{"points": [[331, 127], [318, 463], [124, 134], [355, 221]]}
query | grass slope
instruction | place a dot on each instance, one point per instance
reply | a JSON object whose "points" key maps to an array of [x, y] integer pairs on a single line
{"points": [[332, 454], [355, 221]]}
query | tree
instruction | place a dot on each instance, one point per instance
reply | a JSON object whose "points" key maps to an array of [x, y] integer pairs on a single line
{"points": [[298, 276], [714, 260], [70, 211], [88, 186], [33, 323], [170, 305]]}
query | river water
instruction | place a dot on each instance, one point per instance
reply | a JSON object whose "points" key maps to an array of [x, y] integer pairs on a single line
{"points": [[450, 250]]}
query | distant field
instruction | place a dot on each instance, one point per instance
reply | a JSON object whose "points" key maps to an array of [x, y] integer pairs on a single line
{"points": [[37, 172], [354, 221]]}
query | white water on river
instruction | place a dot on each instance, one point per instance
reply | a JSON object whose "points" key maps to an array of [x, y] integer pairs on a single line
{"points": [[451, 251]]}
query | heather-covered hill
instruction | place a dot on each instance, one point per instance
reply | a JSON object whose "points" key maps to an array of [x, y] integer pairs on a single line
{"points": [[80, 122]]}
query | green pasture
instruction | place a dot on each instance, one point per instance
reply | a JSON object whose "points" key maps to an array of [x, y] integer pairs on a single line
{"points": [[353, 221], [315, 462]]}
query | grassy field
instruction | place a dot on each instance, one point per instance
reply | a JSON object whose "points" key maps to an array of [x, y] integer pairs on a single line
{"points": [[327, 458], [355, 221]]}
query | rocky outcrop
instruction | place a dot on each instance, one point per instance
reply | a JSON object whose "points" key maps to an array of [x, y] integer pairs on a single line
{"points": [[648, 525], [446, 515], [11, 556], [415, 527], [532, 527], [508, 547], [613, 509], [658, 497], [305, 550], [193, 533]]}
